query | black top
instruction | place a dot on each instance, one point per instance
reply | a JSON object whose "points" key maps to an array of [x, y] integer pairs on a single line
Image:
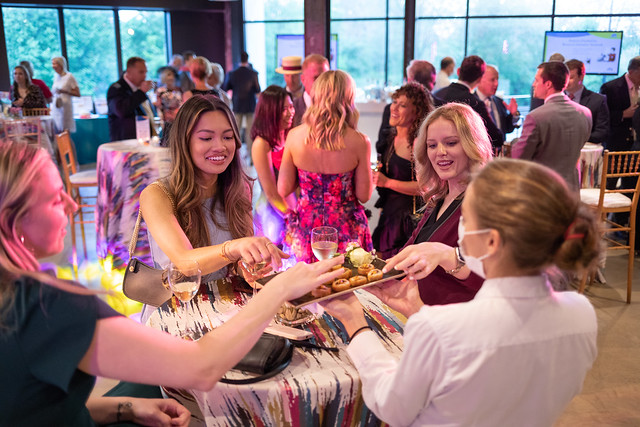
{"points": [[49, 332], [433, 222]]}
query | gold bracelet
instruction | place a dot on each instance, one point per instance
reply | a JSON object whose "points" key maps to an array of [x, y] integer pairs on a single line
{"points": [[223, 253]]}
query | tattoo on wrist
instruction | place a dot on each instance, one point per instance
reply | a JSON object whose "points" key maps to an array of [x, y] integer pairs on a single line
{"points": [[124, 408]]}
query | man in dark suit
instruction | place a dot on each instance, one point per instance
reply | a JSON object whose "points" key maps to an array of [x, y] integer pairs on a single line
{"points": [[127, 99], [622, 99], [504, 116], [593, 101], [620, 93], [419, 71], [312, 66], [469, 75], [554, 133], [243, 81]]}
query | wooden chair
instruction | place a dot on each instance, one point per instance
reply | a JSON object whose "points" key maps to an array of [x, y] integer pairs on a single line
{"points": [[74, 181], [616, 165], [27, 130], [36, 111]]}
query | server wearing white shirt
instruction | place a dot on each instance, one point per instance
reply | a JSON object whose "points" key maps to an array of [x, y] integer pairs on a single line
{"points": [[518, 352]]}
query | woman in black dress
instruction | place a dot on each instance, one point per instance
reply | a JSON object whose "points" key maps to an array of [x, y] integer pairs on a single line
{"points": [[396, 179]]}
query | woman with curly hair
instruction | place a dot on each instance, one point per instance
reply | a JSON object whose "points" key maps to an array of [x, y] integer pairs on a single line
{"points": [[330, 161], [202, 210], [400, 199]]}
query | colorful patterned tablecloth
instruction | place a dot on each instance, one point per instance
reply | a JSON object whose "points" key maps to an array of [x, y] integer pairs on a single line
{"points": [[590, 165], [125, 168], [318, 388]]}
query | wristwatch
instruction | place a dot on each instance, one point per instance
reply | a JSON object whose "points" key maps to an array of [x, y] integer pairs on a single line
{"points": [[459, 262]]}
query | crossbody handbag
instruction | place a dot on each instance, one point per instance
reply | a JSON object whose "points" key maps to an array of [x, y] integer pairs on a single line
{"points": [[141, 282]]}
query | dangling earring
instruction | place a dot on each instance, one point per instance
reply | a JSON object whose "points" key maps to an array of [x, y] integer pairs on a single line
{"points": [[22, 239]]}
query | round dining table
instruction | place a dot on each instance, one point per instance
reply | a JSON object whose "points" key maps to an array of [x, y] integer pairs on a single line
{"points": [[590, 165], [125, 168], [318, 388]]}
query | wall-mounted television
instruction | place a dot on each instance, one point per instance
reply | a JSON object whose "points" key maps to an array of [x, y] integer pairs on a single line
{"points": [[293, 45], [599, 50]]}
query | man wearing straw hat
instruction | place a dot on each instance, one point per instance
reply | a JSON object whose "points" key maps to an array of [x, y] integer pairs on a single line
{"points": [[291, 69]]}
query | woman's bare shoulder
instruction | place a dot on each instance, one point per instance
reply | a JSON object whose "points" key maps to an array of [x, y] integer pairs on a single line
{"points": [[357, 138]]}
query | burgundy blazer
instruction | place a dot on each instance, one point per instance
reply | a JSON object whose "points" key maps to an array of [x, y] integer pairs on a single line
{"points": [[440, 288]]}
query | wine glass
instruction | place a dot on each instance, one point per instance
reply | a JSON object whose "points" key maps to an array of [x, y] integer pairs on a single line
{"points": [[324, 242], [184, 280], [253, 272]]}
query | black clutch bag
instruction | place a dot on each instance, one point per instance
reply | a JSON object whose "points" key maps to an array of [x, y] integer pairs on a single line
{"points": [[268, 357]]}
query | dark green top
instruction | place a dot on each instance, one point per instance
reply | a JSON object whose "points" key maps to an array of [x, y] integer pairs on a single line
{"points": [[50, 331]]}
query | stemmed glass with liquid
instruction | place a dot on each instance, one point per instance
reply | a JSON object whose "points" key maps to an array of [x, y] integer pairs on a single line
{"points": [[184, 280], [324, 242], [253, 272]]}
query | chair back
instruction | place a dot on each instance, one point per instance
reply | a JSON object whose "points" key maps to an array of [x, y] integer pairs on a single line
{"points": [[35, 111], [27, 130], [620, 164], [67, 157]]}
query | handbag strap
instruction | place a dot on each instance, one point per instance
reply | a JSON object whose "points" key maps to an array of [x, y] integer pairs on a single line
{"points": [[136, 229]]}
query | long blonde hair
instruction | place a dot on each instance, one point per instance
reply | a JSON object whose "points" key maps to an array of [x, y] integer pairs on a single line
{"points": [[332, 110], [233, 186], [20, 166], [473, 137]]}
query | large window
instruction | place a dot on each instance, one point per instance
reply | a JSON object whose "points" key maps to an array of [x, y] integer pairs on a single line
{"points": [[511, 34], [370, 38], [264, 21], [34, 34], [91, 49], [141, 35], [370, 41]]}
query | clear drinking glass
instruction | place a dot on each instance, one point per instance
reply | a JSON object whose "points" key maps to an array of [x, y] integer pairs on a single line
{"points": [[253, 272], [184, 280], [324, 242]]}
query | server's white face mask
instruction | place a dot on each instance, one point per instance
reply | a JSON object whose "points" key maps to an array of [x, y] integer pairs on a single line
{"points": [[473, 263]]}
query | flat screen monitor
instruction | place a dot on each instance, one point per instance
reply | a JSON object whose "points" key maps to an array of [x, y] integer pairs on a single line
{"points": [[293, 45], [599, 50]]}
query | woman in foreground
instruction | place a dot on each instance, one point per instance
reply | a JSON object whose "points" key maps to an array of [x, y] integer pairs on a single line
{"points": [[57, 336], [519, 351], [271, 123], [330, 161]]}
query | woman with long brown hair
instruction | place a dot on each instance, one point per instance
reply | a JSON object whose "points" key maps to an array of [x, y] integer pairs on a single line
{"points": [[202, 210]]}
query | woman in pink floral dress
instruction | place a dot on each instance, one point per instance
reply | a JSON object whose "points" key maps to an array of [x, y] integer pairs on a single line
{"points": [[330, 161]]}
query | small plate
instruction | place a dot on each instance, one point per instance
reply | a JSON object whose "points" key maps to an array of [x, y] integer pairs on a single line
{"points": [[308, 298]]}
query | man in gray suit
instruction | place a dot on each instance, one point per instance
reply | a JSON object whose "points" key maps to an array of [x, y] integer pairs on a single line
{"points": [[554, 133]]}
